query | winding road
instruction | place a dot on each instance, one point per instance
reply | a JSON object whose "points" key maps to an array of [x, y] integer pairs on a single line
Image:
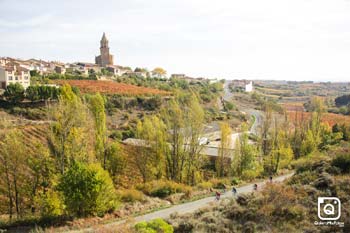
{"points": [[195, 205], [227, 96]]}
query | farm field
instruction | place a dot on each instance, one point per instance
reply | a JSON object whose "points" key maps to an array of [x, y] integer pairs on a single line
{"points": [[293, 90], [293, 106], [330, 118], [110, 87]]}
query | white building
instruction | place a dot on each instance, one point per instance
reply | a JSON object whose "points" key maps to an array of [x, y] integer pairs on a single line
{"points": [[14, 74], [249, 87], [117, 70]]}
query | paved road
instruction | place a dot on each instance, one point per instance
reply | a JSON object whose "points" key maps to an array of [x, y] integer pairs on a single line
{"points": [[227, 93], [195, 205], [188, 207], [227, 96], [258, 115], [253, 112]]}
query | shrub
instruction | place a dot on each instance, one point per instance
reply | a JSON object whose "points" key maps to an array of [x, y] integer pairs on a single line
{"points": [[306, 163], [235, 181], [117, 135], [29, 113], [229, 105], [219, 183], [205, 185], [14, 92], [342, 162], [130, 195], [50, 203], [87, 189], [160, 188], [249, 174], [154, 226], [32, 93]]}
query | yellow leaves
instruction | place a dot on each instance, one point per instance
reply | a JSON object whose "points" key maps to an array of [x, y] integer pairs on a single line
{"points": [[159, 71], [226, 140]]}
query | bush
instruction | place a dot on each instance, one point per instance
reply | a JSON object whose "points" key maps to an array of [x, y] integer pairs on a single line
{"points": [[306, 163], [250, 174], [229, 105], [342, 162], [116, 135], [205, 185], [50, 204], [235, 181], [160, 188], [29, 113], [219, 183], [14, 93], [154, 226], [87, 189], [130, 195]]}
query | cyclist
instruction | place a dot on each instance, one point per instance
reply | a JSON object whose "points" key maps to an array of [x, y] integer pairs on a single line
{"points": [[217, 195], [234, 191]]}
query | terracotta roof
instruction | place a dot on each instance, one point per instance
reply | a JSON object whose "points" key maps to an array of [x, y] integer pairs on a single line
{"points": [[16, 68], [20, 68], [10, 68]]}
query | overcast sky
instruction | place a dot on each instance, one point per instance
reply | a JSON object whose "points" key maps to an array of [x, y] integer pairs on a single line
{"points": [[252, 39]]}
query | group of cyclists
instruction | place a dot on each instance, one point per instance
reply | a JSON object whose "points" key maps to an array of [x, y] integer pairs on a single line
{"points": [[234, 190]]}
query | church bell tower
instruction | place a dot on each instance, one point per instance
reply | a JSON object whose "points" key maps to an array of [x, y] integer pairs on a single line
{"points": [[105, 58]]}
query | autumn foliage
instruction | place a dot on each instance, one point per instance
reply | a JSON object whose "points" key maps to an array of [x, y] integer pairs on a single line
{"points": [[110, 87], [330, 118]]}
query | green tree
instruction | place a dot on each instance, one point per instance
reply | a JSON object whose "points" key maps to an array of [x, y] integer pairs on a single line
{"points": [[45, 92], [245, 156], [175, 160], [222, 164], [71, 133], [13, 171], [316, 104], [97, 107], [14, 93], [117, 161], [193, 131], [309, 144], [32, 93], [282, 153], [28, 174], [299, 134], [150, 155], [266, 132], [87, 190], [40, 173]]}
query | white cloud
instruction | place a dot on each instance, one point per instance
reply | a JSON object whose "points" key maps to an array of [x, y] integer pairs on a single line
{"points": [[271, 39]]}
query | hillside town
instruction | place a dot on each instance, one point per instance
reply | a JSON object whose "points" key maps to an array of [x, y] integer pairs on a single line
{"points": [[174, 116], [13, 70]]}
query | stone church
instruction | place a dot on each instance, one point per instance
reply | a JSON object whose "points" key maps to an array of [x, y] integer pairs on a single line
{"points": [[105, 58]]}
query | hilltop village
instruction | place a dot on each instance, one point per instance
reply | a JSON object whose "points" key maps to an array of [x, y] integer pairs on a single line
{"points": [[20, 71]]}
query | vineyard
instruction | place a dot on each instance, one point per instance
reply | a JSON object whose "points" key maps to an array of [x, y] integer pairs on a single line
{"points": [[330, 118], [110, 87], [293, 106]]}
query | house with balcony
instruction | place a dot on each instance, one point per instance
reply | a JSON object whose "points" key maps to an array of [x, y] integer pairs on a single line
{"points": [[12, 73]]}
